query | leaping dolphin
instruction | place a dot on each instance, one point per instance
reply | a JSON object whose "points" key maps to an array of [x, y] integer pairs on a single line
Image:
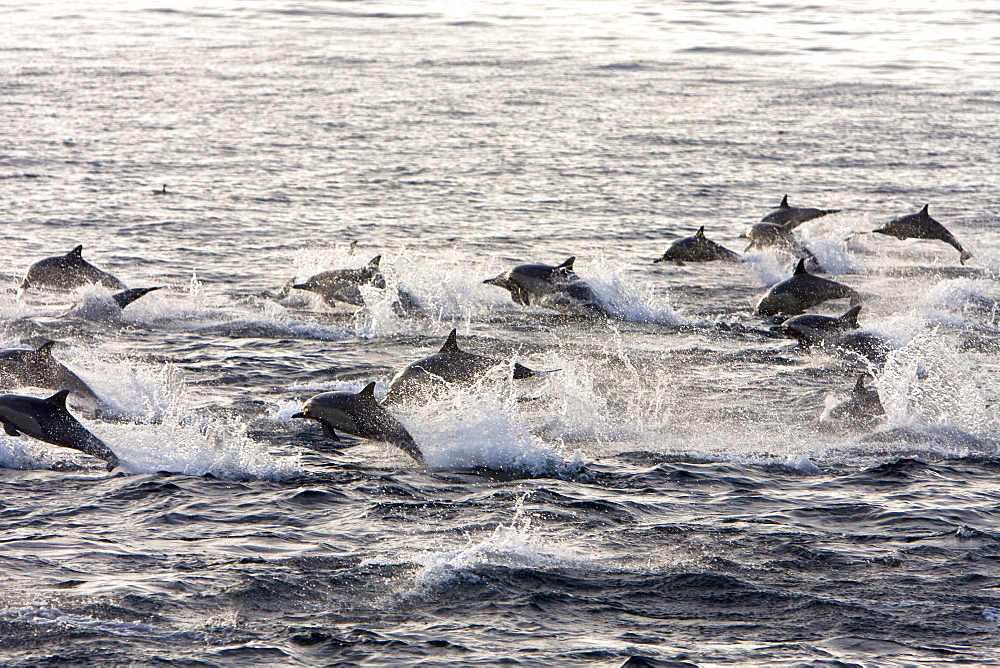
{"points": [[360, 415], [49, 421], [343, 285], [811, 329], [803, 290], [920, 225], [697, 248], [556, 287], [38, 368], [450, 364], [793, 216], [68, 271]]}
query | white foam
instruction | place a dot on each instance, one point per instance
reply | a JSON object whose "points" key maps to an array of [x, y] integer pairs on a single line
{"points": [[479, 427], [194, 446], [625, 299], [926, 382], [40, 615], [769, 267], [516, 545]]}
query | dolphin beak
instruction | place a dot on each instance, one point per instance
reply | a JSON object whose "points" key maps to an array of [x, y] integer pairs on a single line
{"points": [[300, 415], [300, 286], [659, 259]]}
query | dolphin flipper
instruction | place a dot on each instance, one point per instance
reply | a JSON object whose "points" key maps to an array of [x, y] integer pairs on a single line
{"points": [[11, 431], [329, 431]]}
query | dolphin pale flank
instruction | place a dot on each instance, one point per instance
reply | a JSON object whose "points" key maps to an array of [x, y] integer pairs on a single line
{"points": [[38, 368], [793, 216], [343, 285], [556, 287], [697, 248], [920, 225], [49, 421], [802, 291], [68, 271], [449, 365], [810, 329], [360, 415]]}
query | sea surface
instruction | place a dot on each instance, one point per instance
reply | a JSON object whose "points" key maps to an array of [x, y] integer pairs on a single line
{"points": [[667, 495]]}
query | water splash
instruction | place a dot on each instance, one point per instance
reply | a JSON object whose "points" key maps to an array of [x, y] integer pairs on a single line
{"points": [[514, 545], [926, 382]]}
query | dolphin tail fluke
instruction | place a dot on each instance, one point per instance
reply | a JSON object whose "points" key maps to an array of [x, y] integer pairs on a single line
{"points": [[964, 255]]}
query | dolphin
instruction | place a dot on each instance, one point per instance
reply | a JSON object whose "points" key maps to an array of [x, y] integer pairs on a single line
{"points": [[343, 285], [863, 407], [556, 287], [360, 415], [697, 248], [38, 368], [803, 290], [793, 216], [769, 235], [449, 365], [871, 347], [67, 272], [812, 329], [49, 421], [920, 225]]}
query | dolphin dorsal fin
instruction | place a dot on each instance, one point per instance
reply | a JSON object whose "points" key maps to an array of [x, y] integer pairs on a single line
{"points": [[368, 392], [800, 268], [76, 253], [923, 211], [59, 398], [567, 265], [851, 317], [700, 232], [451, 345], [784, 203], [374, 261], [46, 348], [859, 387]]}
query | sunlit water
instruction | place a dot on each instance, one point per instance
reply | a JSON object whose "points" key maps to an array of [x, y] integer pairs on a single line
{"points": [[668, 493]]}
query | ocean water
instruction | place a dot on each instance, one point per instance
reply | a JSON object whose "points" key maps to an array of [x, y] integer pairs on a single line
{"points": [[668, 495]]}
